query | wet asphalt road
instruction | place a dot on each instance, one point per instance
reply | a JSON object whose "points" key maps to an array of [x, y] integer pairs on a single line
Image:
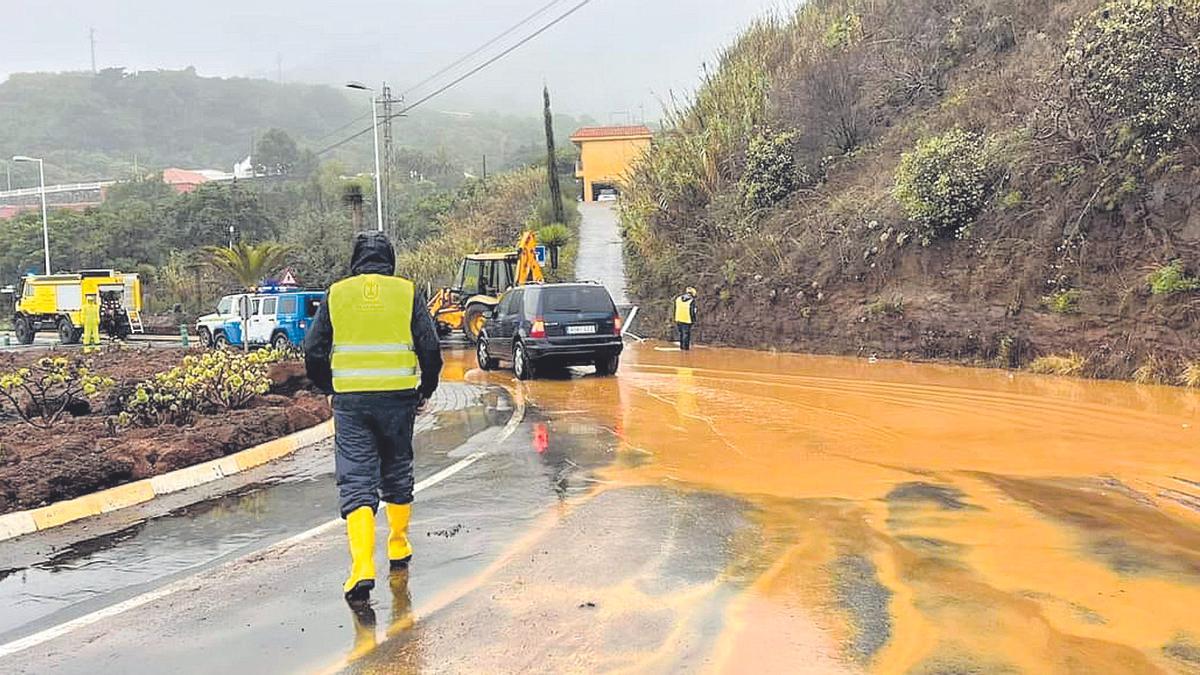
{"points": [[58, 575], [600, 236]]}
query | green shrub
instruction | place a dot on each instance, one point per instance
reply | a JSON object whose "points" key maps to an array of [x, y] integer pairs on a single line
{"points": [[885, 308], [771, 173], [1133, 67], [555, 235], [1070, 364], [42, 394], [1012, 199], [943, 183], [1170, 279], [212, 382], [1063, 302], [843, 31]]}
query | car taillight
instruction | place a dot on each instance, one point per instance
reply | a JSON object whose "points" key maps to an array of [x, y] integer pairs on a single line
{"points": [[538, 330], [301, 325], [617, 324]]}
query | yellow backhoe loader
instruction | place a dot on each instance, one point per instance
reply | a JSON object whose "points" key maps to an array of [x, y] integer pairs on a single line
{"points": [[482, 278]]}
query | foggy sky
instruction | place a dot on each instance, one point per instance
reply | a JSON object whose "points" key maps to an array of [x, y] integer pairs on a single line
{"points": [[610, 57]]}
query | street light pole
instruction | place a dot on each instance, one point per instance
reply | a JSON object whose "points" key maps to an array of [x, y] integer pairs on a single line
{"points": [[45, 217], [378, 174]]}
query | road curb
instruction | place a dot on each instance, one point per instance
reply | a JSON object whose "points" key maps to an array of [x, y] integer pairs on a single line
{"points": [[13, 525]]}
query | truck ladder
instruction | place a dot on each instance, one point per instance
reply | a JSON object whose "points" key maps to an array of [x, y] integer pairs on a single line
{"points": [[135, 321]]}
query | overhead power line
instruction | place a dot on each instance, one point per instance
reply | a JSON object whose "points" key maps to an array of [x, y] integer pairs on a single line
{"points": [[441, 90], [562, 17], [466, 57], [345, 126]]}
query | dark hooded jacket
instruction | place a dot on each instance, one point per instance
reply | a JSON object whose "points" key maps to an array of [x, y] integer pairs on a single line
{"points": [[373, 254]]}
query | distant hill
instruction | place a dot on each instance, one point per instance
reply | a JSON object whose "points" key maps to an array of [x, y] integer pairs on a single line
{"points": [[94, 126]]}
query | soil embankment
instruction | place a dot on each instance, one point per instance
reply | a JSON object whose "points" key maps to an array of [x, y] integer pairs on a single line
{"points": [[1012, 184], [86, 453]]}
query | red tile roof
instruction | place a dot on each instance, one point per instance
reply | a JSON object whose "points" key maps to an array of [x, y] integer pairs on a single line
{"points": [[183, 177], [611, 132]]}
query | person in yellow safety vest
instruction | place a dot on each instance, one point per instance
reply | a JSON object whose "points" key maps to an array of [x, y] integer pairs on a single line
{"points": [[91, 321], [374, 347], [685, 317]]}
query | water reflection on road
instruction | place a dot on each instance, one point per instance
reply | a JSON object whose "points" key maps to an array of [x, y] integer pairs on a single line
{"points": [[920, 516]]}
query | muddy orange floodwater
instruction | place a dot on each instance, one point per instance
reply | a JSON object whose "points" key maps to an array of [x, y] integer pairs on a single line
{"points": [[923, 517]]}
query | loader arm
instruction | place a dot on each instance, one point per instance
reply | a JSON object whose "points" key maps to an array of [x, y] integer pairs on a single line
{"points": [[529, 271]]}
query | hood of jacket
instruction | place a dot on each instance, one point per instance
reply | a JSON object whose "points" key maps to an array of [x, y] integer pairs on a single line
{"points": [[373, 254]]}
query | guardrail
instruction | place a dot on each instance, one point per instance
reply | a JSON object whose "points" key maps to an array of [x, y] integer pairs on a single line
{"points": [[57, 189]]}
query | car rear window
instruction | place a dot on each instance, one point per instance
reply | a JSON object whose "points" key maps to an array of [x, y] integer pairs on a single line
{"points": [[576, 299], [287, 304]]}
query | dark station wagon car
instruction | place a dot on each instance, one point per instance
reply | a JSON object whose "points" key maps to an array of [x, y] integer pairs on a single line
{"points": [[552, 325]]}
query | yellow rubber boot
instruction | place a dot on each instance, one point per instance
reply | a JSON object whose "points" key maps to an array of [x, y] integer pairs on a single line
{"points": [[399, 550], [360, 532]]}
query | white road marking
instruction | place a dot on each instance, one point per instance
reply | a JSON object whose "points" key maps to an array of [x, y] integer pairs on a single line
{"points": [[109, 612]]}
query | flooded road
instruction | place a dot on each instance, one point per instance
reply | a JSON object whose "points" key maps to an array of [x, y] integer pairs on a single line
{"points": [[736, 511], [924, 518]]}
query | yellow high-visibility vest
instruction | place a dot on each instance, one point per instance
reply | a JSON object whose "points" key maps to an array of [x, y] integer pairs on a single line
{"points": [[372, 334], [683, 309], [91, 313]]}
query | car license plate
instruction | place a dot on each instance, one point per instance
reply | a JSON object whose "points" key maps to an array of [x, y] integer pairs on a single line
{"points": [[589, 329]]}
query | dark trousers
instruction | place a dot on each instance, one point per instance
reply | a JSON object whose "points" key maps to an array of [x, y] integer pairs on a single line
{"points": [[685, 335], [373, 449]]}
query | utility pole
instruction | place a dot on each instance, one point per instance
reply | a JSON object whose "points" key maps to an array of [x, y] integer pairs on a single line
{"points": [[387, 152], [485, 168], [551, 163], [92, 40], [279, 68]]}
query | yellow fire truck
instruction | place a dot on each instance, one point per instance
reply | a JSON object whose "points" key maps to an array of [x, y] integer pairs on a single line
{"points": [[55, 302]]}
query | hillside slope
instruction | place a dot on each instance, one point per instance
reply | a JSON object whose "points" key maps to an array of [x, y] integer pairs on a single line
{"points": [[990, 181]]}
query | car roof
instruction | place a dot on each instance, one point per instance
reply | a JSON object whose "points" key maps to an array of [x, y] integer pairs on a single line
{"points": [[572, 284], [566, 286]]}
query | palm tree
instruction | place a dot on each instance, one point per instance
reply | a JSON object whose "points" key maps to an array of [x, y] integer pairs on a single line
{"points": [[249, 264]]}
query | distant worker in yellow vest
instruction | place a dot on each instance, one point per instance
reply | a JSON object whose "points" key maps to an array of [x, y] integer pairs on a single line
{"points": [[374, 347], [91, 321], [685, 317]]}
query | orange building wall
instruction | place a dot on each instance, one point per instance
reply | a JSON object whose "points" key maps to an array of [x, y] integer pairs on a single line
{"points": [[607, 160]]}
